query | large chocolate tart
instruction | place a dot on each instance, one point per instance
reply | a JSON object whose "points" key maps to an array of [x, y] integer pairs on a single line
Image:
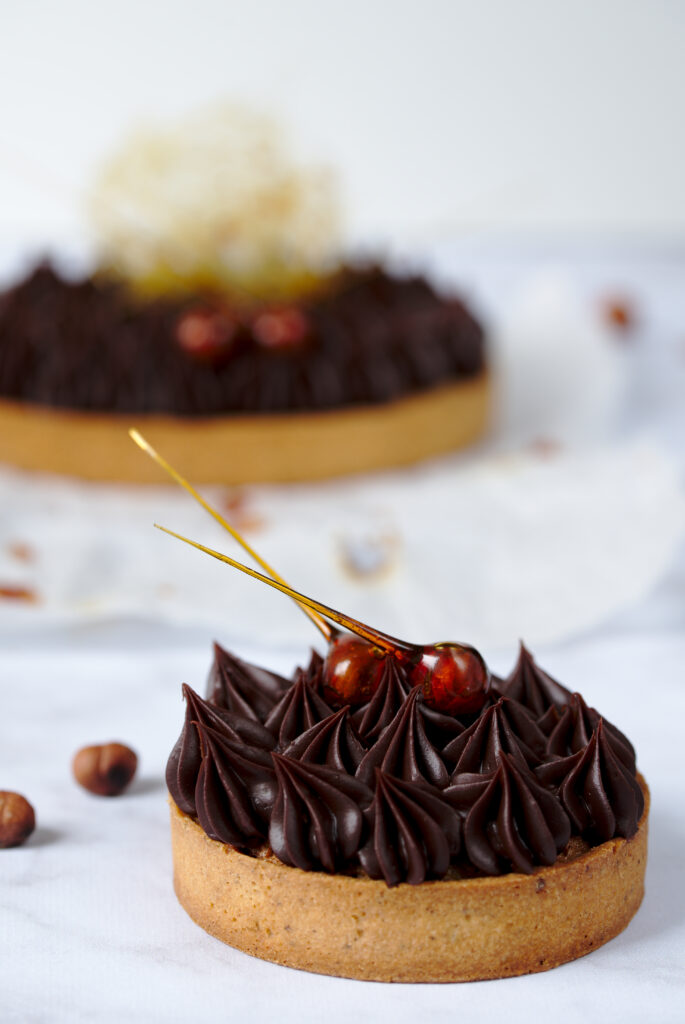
{"points": [[372, 370], [438, 931]]}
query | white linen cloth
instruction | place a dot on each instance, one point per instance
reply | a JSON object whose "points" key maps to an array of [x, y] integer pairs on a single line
{"points": [[533, 544]]}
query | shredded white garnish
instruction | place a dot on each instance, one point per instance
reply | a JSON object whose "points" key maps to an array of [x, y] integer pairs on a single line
{"points": [[218, 193]]}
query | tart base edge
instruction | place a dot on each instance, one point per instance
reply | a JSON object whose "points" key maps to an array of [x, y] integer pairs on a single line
{"points": [[439, 931], [241, 449]]}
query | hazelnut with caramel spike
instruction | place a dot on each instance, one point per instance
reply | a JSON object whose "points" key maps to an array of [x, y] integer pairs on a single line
{"points": [[453, 677], [353, 666]]}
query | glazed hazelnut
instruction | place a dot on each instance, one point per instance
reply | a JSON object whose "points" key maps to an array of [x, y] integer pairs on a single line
{"points": [[17, 819], [105, 769]]}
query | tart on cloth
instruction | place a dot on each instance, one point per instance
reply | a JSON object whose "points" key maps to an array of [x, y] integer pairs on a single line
{"points": [[386, 839]]}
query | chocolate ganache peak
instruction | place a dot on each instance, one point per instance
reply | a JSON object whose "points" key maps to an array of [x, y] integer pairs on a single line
{"points": [[535, 689], [576, 724], [404, 750], [186, 756], [601, 794], [512, 822], [331, 741], [414, 832], [299, 709], [442, 728], [505, 727], [235, 790], [243, 688], [314, 670], [373, 717], [316, 821]]}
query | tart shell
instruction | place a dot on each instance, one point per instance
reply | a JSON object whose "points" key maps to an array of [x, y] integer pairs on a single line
{"points": [[439, 931], [243, 449]]}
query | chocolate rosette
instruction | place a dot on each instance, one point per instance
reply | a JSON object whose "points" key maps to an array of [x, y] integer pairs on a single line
{"points": [[299, 709], [601, 795], [235, 790], [331, 742], [535, 689], [505, 727], [314, 671], [442, 728], [316, 821], [373, 717], [245, 689], [574, 729], [512, 822], [404, 750], [185, 759], [413, 832]]}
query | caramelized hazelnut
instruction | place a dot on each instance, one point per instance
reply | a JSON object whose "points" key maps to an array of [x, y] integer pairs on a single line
{"points": [[207, 335], [17, 819], [280, 328], [619, 313], [105, 769]]}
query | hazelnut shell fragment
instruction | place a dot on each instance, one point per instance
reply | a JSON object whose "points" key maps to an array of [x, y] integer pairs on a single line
{"points": [[105, 769], [17, 819]]}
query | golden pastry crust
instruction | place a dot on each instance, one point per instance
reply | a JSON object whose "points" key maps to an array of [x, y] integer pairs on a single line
{"points": [[247, 449], [441, 931]]}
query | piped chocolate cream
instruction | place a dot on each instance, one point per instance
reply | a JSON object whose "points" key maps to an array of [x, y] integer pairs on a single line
{"points": [[366, 336], [394, 789]]}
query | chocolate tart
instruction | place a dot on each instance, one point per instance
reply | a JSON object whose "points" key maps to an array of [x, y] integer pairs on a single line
{"points": [[371, 371], [392, 841]]}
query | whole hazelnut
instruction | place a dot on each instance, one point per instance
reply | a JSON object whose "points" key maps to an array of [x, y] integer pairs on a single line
{"points": [[17, 819], [105, 769]]}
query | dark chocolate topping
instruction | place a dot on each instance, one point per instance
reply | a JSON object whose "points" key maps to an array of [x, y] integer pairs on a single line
{"points": [[314, 670], [332, 742], [532, 687], [368, 337], [414, 832], [184, 760], [316, 821], [504, 727], [512, 823], [440, 728], [186, 757], [404, 750], [576, 724], [372, 718], [235, 790], [602, 796], [245, 689], [299, 709], [370, 790]]}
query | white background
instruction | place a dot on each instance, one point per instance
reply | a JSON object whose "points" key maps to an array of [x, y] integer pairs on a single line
{"points": [[534, 115]]}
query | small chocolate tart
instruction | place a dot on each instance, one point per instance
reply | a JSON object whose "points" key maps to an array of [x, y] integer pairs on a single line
{"points": [[394, 841]]}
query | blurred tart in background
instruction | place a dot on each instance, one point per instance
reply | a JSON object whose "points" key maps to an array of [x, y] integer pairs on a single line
{"points": [[223, 321]]}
